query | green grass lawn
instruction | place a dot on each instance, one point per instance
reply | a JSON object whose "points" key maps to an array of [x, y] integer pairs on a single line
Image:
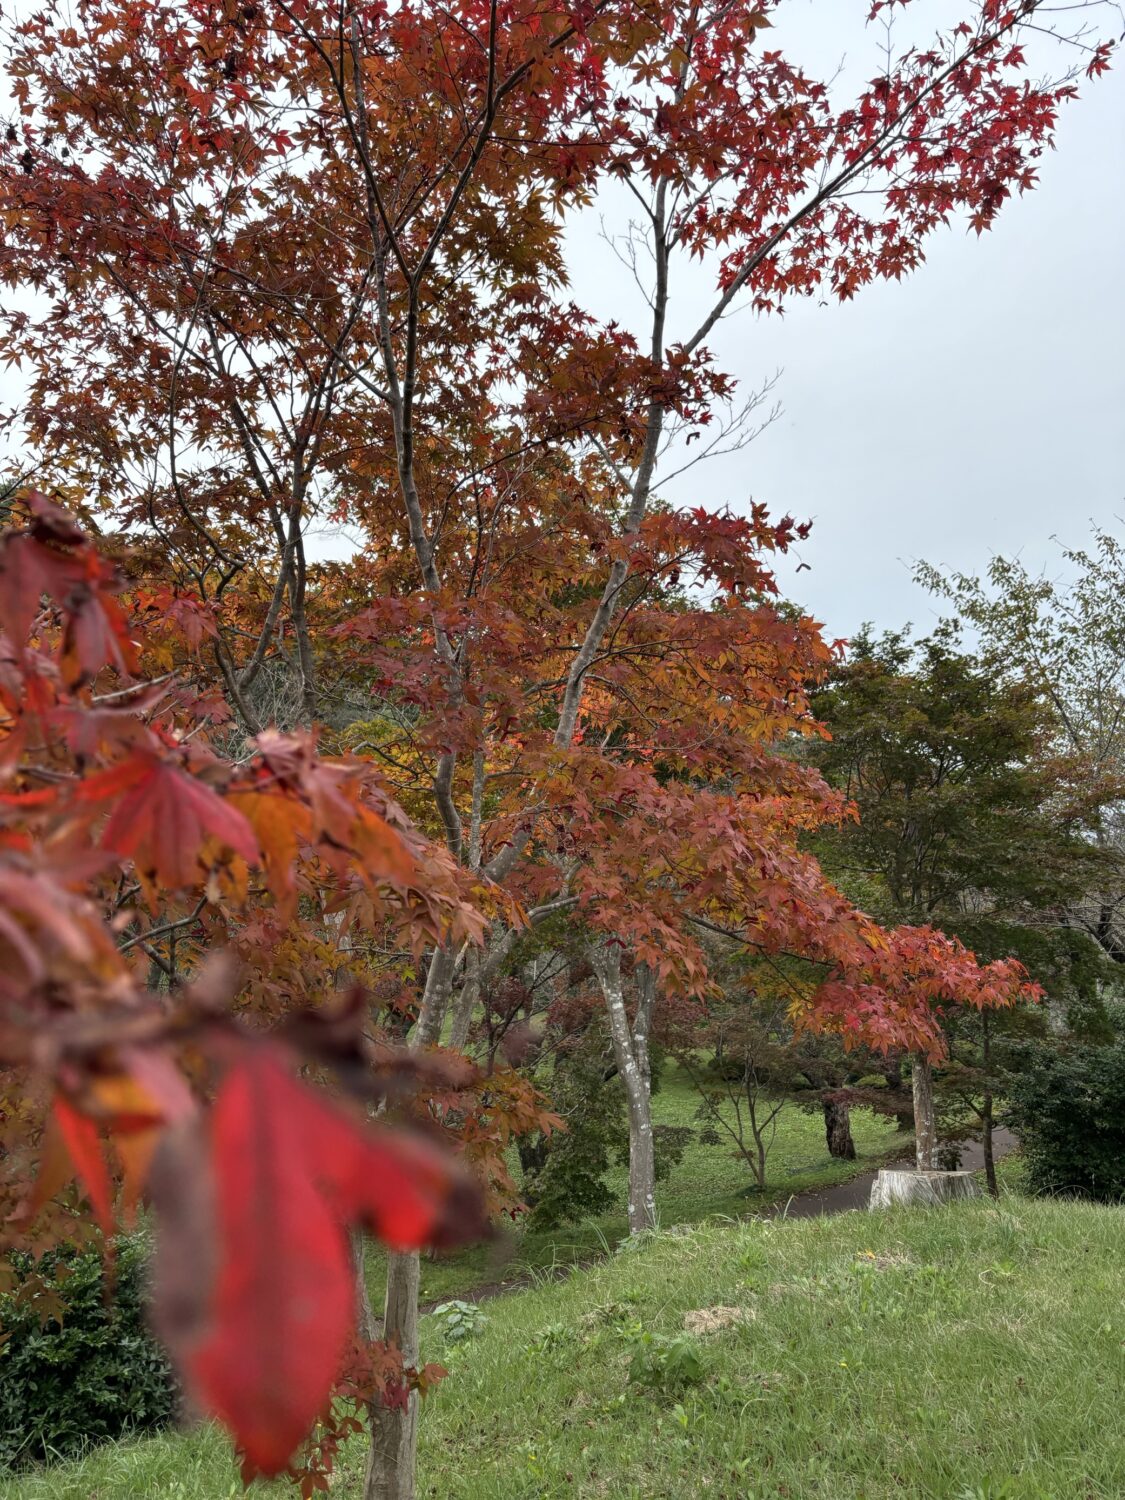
{"points": [[973, 1352], [709, 1181]]}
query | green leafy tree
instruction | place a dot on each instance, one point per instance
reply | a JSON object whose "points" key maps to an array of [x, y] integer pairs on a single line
{"points": [[1069, 1104], [1065, 641], [969, 816], [564, 1174], [966, 809]]}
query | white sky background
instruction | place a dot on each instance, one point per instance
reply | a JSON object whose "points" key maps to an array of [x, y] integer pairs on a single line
{"points": [[976, 407]]}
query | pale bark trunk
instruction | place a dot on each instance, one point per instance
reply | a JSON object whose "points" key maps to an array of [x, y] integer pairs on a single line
{"points": [[925, 1119], [470, 989], [466, 1002], [630, 1051], [642, 1165], [987, 1111]]}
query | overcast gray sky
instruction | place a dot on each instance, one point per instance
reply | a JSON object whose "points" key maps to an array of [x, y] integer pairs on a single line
{"points": [[976, 407]]}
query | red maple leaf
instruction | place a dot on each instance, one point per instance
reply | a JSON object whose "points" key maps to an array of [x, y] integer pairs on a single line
{"points": [[292, 1170], [165, 818]]}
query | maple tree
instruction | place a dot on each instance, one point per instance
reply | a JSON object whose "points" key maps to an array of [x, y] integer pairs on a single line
{"points": [[295, 262]]}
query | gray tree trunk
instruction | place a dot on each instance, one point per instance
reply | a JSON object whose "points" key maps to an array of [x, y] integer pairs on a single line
{"points": [[642, 1161], [988, 1126], [925, 1118], [466, 1002], [630, 1051], [394, 1432], [987, 1117]]}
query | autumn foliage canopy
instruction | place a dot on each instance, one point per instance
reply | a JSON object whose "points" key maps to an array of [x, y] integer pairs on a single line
{"points": [[288, 264]]}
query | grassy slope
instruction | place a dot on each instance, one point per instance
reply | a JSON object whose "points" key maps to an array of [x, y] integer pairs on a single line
{"points": [[970, 1353], [709, 1180]]}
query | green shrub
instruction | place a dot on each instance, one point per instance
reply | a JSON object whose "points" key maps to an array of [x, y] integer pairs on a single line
{"points": [[77, 1364], [460, 1320], [564, 1173], [1068, 1107]]}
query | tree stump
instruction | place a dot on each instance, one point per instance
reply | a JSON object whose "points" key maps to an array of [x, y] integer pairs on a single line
{"points": [[908, 1187]]}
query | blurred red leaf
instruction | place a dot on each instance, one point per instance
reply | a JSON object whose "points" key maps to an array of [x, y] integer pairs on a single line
{"points": [[55, 558], [291, 1170], [80, 1136], [405, 1190], [96, 634], [282, 1304]]}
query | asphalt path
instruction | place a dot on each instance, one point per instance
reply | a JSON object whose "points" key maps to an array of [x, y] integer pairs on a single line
{"points": [[856, 1192]]}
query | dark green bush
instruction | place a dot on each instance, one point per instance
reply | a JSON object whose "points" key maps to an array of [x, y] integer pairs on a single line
{"points": [[1068, 1107], [77, 1364]]}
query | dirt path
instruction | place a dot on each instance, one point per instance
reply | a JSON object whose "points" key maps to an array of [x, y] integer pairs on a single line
{"points": [[844, 1198]]}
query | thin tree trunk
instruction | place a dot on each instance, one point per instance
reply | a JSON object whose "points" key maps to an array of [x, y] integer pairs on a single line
{"points": [[365, 1313], [642, 1161], [986, 1141], [925, 1119], [394, 1431], [986, 1113], [758, 1159], [642, 1147], [630, 1051], [470, 989], [426, 1031], [297, 587], [466, 1002]]}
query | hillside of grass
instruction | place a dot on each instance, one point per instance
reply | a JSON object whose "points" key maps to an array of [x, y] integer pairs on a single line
{"points": [[975, 1352], [710, 1180]]}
